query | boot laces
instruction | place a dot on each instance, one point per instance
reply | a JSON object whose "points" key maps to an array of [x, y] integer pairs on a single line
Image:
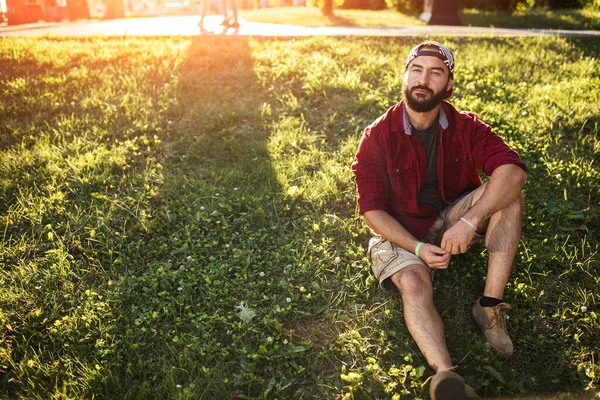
{"points": [[497, 317]]}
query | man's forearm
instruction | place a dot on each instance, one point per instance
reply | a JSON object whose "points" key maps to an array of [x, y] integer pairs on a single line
{"points": [[388, 227], [503, 188]]}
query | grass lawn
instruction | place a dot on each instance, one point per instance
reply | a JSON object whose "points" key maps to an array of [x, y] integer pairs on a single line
{"points": [[178, 220], [533, 19]]}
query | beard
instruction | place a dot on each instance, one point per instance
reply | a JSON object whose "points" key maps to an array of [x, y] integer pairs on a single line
{"points": [[419, 104]]}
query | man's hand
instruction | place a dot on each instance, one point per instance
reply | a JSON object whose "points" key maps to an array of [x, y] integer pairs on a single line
{"points": [[435, 257], [457, 239]]}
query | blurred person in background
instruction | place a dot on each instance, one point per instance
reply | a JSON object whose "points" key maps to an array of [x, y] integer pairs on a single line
{"points": [[221, 7]]}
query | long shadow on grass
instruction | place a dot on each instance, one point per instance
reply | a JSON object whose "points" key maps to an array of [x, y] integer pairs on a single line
{"points": [[205, 313], [177, 335]]}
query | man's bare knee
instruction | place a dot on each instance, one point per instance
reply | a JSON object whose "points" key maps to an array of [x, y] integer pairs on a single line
{"points": [[413, 281], [516, 207], [519, 201]]}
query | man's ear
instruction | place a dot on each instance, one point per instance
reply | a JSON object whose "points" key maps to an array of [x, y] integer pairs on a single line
{"points": [[450, 84]]}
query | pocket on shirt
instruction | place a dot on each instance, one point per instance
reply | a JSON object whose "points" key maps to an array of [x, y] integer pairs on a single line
{"points": [[403, 178], [458, 167]]}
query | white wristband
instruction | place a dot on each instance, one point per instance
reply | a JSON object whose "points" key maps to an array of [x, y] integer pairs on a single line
{"points": [[468, 223]]}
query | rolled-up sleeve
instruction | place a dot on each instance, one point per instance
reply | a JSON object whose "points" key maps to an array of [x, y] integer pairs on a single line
{"points": [[370, 170], [490, 151]]}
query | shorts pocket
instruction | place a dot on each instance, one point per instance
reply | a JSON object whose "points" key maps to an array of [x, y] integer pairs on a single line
{"points": [[382, 253], [379, 249]]}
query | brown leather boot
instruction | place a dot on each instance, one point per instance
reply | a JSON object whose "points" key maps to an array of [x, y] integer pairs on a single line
{"points": [[447, 385], [491, 322]]}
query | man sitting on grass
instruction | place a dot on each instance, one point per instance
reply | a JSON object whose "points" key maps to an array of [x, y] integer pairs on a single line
{"points": [[420, 193]]}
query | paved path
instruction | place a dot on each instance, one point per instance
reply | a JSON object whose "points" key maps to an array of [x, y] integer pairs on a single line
{"points": [[187, 26]]}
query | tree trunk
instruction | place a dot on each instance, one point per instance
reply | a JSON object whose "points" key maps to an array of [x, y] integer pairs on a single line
{"points": [[114, 9], [327, 8]]}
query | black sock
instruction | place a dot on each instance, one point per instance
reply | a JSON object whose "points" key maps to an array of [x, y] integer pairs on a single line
{"points": [[489, 301]]}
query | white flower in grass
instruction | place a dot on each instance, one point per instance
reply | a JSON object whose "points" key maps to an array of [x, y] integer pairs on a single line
{"points": [[583, 308], [288, 299], [261, 274], [337, 260]]}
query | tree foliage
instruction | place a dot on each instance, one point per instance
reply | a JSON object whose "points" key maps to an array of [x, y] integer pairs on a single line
{"points": [[114, 9], [514, 5], [415, 7]]}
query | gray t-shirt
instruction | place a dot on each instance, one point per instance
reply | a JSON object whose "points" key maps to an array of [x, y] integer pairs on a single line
{"points": [[429, 194]]}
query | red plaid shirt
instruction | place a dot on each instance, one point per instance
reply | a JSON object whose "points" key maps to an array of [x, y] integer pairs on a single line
{"points": [[390, 165]]}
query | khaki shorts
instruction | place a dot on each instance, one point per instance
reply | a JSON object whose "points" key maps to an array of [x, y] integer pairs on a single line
{"points": [[387, 258]]}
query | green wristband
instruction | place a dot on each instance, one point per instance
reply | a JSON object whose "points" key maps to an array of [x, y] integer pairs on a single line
{"points": [[417, 248]]}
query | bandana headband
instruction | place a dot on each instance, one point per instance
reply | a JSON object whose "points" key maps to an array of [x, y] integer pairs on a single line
{"points": [[443, 53]]}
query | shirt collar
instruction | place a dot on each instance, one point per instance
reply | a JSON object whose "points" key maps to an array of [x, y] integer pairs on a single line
{"points": [[408, 129]]}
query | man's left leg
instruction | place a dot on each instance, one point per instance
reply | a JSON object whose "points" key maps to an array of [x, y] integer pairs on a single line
{"points": [[502, 240]]}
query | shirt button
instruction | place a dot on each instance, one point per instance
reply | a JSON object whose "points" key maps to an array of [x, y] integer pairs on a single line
{"points": [[397, 170], [456, 159]]}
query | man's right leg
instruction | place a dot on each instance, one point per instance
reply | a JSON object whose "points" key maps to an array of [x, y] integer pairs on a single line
{"points": [[422, 318], [425, 326], [396, 268]]}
